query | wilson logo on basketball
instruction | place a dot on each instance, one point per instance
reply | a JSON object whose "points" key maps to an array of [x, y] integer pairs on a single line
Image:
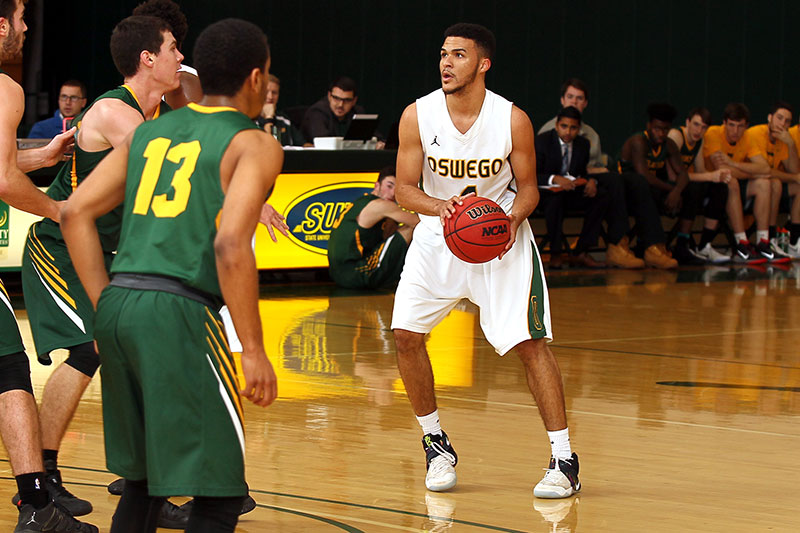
{"points": [[495, 230], [311, 216], [477, 212]]}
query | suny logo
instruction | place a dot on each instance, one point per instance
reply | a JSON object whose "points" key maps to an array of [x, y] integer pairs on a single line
{"points": [[311, 216]]}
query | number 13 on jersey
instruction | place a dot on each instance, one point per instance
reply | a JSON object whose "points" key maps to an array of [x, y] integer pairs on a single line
{"points": [[155, 153]]}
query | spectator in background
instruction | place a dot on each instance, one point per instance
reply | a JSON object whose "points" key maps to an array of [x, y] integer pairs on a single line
{"points": [[575, 93], [331, 115], [689, 140], [777, 145], [561, 158], [71, 101], [727, 146], [277, 124]]}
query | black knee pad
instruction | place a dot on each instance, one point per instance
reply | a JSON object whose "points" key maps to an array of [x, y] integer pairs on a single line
{"points": [[84, 359], [15, 373]]}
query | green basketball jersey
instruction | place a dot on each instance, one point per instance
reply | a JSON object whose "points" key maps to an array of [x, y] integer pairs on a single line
{"points": [[688, 152], [173, 195], [81, 163], [349, 241]]}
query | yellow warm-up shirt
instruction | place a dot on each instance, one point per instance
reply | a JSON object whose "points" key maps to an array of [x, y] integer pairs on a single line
{"points": [[775, 153], [715, 141]]}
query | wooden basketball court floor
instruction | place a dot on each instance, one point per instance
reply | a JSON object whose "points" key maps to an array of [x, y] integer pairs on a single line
{"points": [[682, 390]]}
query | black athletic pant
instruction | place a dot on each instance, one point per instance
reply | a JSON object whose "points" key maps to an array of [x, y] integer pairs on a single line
{"points": [[638, 203], [555, 203]]}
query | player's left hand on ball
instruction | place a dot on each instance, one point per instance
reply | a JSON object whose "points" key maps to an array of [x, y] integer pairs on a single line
{"points": [[513, 224], [261, 384], [272, 219]]}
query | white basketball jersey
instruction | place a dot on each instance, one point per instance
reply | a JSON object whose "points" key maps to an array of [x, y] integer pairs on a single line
{"points": [[455, 161]]}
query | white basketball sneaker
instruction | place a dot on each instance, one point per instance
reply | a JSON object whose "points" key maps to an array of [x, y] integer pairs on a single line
{"points": [[560, 479], [793, 251], [441, 460], [710, 255]]}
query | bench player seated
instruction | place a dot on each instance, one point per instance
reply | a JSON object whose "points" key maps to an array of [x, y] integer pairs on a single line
{"points": [[367, 249]]}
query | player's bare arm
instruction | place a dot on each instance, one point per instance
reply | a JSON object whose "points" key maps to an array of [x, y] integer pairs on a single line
{"points": [[107, 124], [16, 188], [106, 190], [248, 170], [523, 163], [378, 209], [409, 169], [48, 155], [677, 137]]}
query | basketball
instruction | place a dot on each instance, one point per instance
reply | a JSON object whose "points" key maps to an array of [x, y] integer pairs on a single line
{"points": [[478, 230]]}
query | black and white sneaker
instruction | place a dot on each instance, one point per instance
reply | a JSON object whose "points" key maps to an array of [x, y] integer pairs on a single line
{"points": [[771, 253], [744, 253], [49, 518], [441, 460], [685, 253], [560, 479]]}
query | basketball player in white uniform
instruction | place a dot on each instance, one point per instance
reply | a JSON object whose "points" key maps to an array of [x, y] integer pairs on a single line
{"points": [[464, 139]]}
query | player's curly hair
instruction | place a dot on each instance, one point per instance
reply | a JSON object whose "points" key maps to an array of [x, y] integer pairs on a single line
{"points": [[169, 11], [226, 53], [132, 35], [483, 37], [661, 111]]}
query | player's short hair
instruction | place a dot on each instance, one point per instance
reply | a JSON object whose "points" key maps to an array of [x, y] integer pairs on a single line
{"points": [[7, 8], [705, 115], [736, 111], [569, 112], [169, 11], [661, 111], [781, 104], [385, 173], [345, 84], [482, 36], [76, 83], [578, 84], [274, 79], [132, 35], [225, 54]]}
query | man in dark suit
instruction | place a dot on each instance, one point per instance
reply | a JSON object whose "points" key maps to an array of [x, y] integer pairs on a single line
{"points": [[561, 159]]}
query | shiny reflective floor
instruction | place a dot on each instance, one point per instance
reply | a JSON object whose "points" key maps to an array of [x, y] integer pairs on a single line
{"points": [[683, 397]]}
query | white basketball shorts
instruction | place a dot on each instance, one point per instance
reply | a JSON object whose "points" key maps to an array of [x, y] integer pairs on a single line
{"points": [[511, 293]]}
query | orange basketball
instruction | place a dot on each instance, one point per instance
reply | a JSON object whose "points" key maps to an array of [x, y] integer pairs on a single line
{"points": [[478, 230]]}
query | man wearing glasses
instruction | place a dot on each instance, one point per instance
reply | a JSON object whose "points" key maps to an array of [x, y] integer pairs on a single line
{"points": [[332, 114], [71, 101]]}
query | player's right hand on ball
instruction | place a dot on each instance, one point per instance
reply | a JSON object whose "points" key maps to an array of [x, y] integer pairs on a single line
{"points": [[448, 207], [261, 384]]}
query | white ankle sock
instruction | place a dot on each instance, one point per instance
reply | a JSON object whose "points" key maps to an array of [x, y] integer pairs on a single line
{"points": [[762, 235], [559, 443], [430, 423], [740, 237]]}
